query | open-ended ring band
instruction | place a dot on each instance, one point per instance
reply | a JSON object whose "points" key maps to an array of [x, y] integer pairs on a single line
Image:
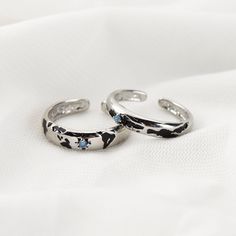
{"points": [[73, 139], [137, 123]]}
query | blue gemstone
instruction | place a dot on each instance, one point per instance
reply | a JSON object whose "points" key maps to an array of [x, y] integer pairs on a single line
{"points": [[117, 118], [83, 143]]}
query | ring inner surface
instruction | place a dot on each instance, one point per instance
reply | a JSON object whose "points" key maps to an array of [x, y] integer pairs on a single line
{"points": [[175, 109], [63, 109], [131, 95]]}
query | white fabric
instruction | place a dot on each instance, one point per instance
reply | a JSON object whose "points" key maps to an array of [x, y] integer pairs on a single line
{"points": [[184, 50]]}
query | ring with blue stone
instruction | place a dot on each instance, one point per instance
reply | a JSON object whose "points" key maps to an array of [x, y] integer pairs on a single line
{"points": [[83, 144], [117, 118], [79, 140], [143, 125]]}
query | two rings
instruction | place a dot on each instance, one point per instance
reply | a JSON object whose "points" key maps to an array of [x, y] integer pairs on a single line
{"points": [[125, 120]]}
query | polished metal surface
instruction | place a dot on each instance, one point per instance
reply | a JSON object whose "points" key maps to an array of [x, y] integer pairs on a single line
{"points": [[140, 124], [74, 139]]}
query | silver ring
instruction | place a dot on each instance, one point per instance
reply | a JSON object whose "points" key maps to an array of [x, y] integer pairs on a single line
{"points": [[139, 124], [79, 140]]}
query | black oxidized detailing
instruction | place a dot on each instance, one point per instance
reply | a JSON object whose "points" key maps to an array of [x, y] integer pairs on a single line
{"points": [[162, 133], [116, 128], [73, 139], [77, 134], [165, 133], [168, 133], [107, 138], [66, 143], [172, 124], [150, 127], [44, 124], [59, 137], [58, 129], [79, 140], [112, 112], [181, 129], [132, 122]]}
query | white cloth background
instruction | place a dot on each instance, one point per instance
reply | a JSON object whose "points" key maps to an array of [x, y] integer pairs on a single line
{"points": [[55, 50]]}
